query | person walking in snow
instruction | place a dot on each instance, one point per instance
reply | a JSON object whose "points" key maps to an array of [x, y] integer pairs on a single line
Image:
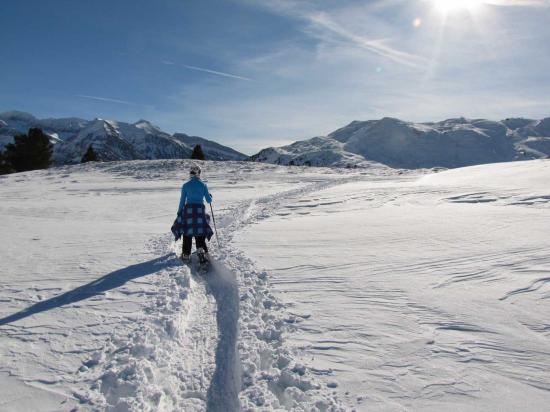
{"points": [[192, 220]]}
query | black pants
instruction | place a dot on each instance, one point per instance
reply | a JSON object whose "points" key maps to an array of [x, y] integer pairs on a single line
{"points": [[200, 241]]}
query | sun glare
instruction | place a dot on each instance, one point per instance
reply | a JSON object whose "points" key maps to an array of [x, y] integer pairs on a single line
{"points": [[449, 6]]}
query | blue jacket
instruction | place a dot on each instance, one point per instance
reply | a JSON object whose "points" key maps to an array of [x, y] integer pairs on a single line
{"points": [[193, 192]]}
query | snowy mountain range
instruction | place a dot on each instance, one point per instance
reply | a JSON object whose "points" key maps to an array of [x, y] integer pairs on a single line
{"points": [[450, 143], [111, 140]]}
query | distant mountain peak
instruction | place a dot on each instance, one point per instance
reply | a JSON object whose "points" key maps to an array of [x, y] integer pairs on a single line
{"points": [[146, 125], [388, 119]]}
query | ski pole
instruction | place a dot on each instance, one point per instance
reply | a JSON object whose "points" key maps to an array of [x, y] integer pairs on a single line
{"points": [[215, 229]]}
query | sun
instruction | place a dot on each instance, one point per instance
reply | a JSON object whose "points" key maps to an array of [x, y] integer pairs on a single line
{"points": [[450, 6]]}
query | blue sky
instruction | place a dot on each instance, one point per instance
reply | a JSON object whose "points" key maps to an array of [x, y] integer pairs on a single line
{"points": [[254, 73]]}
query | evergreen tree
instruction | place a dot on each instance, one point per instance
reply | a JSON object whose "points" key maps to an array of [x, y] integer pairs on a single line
{"points": [[29, 152], [5, 166], [197, 153], [89, 156]]}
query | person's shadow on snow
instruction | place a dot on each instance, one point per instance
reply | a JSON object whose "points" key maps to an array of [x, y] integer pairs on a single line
{"points": [[110, 281]]}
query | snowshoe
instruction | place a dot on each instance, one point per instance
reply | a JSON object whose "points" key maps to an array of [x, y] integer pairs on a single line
{"points": [[186, 259], [203, 259]]}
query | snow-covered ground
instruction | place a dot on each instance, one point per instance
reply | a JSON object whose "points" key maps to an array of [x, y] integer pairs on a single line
{"points": [[332, 290]]}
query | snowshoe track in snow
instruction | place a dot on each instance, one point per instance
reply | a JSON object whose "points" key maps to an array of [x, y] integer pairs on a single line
{"points": [[223, 393], [271, 379]]}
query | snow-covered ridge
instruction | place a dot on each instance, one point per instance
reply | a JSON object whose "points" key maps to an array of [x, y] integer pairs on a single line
{"points": [[318, 151], [110, 139], [397, 143], [215, 150]]}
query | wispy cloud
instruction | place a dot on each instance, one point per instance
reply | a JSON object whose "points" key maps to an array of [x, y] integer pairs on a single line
{"points": [[530, 3], [201, 69], [209, 71], [323, 26], [325, 22], [108, 99]]}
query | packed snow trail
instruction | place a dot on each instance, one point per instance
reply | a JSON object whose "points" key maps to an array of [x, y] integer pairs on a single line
{"points": [[223, 393]]}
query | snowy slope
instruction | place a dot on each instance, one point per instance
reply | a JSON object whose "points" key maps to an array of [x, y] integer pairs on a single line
{"points": [[450, 143], [112, 140], [429, 294], [331, 290]]}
